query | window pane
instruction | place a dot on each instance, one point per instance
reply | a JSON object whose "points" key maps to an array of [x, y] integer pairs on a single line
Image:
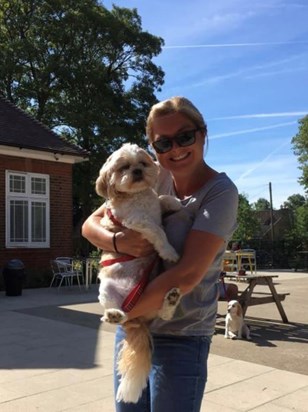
{"points": [[18, 221], [38, 186], [17, 184], [38, 215]]}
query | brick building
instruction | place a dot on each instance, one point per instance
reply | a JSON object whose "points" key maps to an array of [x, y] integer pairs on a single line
{"points": [[36, 222]]}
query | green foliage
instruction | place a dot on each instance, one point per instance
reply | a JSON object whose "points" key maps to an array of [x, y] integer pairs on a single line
{"points": [[84, 71], [299, 232], [294, 201], [248, 224], [261, 204], [300, 147]]}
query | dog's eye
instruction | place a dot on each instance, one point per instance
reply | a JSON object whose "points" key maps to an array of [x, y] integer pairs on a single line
{"points": [[144, 164], [123, 168]]}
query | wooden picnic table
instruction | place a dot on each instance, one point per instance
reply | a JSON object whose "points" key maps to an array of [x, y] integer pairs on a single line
{"points": [[250, 297]]}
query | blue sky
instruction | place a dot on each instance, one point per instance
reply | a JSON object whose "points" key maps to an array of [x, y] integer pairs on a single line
{"points": [[244, 64]]}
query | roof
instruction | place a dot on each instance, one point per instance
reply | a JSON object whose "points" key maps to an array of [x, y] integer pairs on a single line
{"points": [[18, 129]]}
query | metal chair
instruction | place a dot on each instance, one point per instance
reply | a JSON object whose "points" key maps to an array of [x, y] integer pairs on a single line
{"points": [[230, 262], [64, 272], [74, 265], [247, 260]]}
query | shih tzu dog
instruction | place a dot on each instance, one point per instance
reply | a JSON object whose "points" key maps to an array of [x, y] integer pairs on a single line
{"points": [[235, 327], [127, 182]]}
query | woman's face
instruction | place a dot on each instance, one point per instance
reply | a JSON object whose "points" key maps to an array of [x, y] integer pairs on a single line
{"points": [[178, 159]]}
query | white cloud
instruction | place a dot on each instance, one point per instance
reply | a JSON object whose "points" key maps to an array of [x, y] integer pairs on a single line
{"points": [[219, 45], [262, 115], [254, 130]]}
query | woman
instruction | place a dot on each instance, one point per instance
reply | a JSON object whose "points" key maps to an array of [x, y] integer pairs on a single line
{"points": [[200, 232]]}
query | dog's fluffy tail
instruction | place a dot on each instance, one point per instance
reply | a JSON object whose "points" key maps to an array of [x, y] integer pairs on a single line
{"points": [[134, 363]]}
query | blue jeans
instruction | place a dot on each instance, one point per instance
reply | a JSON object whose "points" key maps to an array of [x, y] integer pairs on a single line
{"points": [[178, 376]]}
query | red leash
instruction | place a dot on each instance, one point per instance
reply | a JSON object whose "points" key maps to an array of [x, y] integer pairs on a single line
{"points": [[133, 296], [222, 280]]}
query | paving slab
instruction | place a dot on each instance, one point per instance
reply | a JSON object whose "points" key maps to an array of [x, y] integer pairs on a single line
{"points": [[55, 355], [274, 343]]}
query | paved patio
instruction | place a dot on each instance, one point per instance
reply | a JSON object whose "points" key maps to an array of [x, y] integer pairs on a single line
{"points": [[56, 356]]}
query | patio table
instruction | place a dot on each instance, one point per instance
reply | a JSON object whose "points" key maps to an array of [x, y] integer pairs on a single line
{"points": [[91, 263]]}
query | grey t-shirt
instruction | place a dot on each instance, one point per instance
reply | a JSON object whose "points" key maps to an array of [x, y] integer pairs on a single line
{"points": [[213, 209]]}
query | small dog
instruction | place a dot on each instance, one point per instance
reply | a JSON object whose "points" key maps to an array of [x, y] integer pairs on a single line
{"points": [[235, 326], [126, 181]]}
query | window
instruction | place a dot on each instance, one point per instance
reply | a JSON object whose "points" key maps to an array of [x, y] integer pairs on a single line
{"points": [[27, 206]]}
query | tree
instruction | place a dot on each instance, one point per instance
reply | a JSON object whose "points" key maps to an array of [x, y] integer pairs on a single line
{"points": [[261, 204], [82, 70], [293, 202], [298, 235], [248, 224], [300, 147]]}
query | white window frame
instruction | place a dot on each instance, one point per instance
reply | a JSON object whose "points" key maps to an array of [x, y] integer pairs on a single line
{"points": [[29, 198]]}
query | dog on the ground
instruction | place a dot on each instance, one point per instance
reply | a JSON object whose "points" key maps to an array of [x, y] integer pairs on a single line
{"points": [[235, 327], [127, 181]]}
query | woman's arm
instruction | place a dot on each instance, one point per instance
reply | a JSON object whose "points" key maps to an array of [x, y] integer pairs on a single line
{"points": [[127, 241], [199, 253]]}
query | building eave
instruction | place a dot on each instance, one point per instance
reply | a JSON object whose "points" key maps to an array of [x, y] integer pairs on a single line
{"points": [[42, 155]]}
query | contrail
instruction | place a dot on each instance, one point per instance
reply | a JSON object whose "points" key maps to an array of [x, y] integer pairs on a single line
{"points": [[256, 166], [257, 129], [261, 115], [205, 46]]}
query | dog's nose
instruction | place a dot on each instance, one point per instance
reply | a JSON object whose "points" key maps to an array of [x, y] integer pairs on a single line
{"points": [[137, 173]]}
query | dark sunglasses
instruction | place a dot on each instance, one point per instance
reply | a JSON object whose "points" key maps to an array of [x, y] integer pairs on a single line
{"points": [[184, 139]]}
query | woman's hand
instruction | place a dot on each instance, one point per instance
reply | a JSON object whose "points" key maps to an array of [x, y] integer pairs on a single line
{"points": [[132, 243], [127, 241]]}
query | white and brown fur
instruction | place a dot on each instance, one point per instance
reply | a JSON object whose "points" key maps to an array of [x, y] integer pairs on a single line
{"points": [[235, 327], [127, 182]]}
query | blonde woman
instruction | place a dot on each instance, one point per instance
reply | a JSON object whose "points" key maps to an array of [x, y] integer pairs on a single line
{"points": [[200, 233]]}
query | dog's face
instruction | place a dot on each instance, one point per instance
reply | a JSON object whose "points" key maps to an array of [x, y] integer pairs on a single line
{"points": [[234, 308], [128, 170]]}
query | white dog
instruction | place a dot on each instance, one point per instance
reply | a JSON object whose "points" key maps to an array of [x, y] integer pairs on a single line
{"points": [[235, 326], [126, 181]]}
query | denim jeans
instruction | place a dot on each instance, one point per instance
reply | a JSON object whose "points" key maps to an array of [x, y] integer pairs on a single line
{"points": [[178, 376]]}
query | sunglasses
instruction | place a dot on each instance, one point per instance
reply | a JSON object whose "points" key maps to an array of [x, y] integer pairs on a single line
{"points": [[165, 144]]}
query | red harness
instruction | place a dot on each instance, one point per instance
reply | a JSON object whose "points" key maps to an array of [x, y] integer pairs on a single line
{"points": [[133, 296]]}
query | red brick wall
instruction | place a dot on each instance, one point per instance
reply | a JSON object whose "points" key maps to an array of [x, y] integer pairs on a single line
{"points": [[61, 219]]}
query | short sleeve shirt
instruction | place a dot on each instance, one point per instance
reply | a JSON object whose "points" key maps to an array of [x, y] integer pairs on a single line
{"points": [[213, 209]]}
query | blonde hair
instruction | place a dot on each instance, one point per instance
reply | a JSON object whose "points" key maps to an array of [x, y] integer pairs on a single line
{"points": [[175, 104]]}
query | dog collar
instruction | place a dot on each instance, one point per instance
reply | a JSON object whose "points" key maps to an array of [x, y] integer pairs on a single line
{"points": [[120, 259], [113, 219]]}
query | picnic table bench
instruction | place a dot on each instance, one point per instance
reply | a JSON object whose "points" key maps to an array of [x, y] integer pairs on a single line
{"points": [[250, 297]]}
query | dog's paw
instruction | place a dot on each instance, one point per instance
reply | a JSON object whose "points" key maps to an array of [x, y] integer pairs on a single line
{"points": [[230, 335], [170, 203], [168, 253], [173, 296], [114, 316], [170, 303]]}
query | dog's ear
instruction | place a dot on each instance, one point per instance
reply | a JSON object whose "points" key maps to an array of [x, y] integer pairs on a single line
{"points": [[101, 186], [103, 180], [239, 310]]}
